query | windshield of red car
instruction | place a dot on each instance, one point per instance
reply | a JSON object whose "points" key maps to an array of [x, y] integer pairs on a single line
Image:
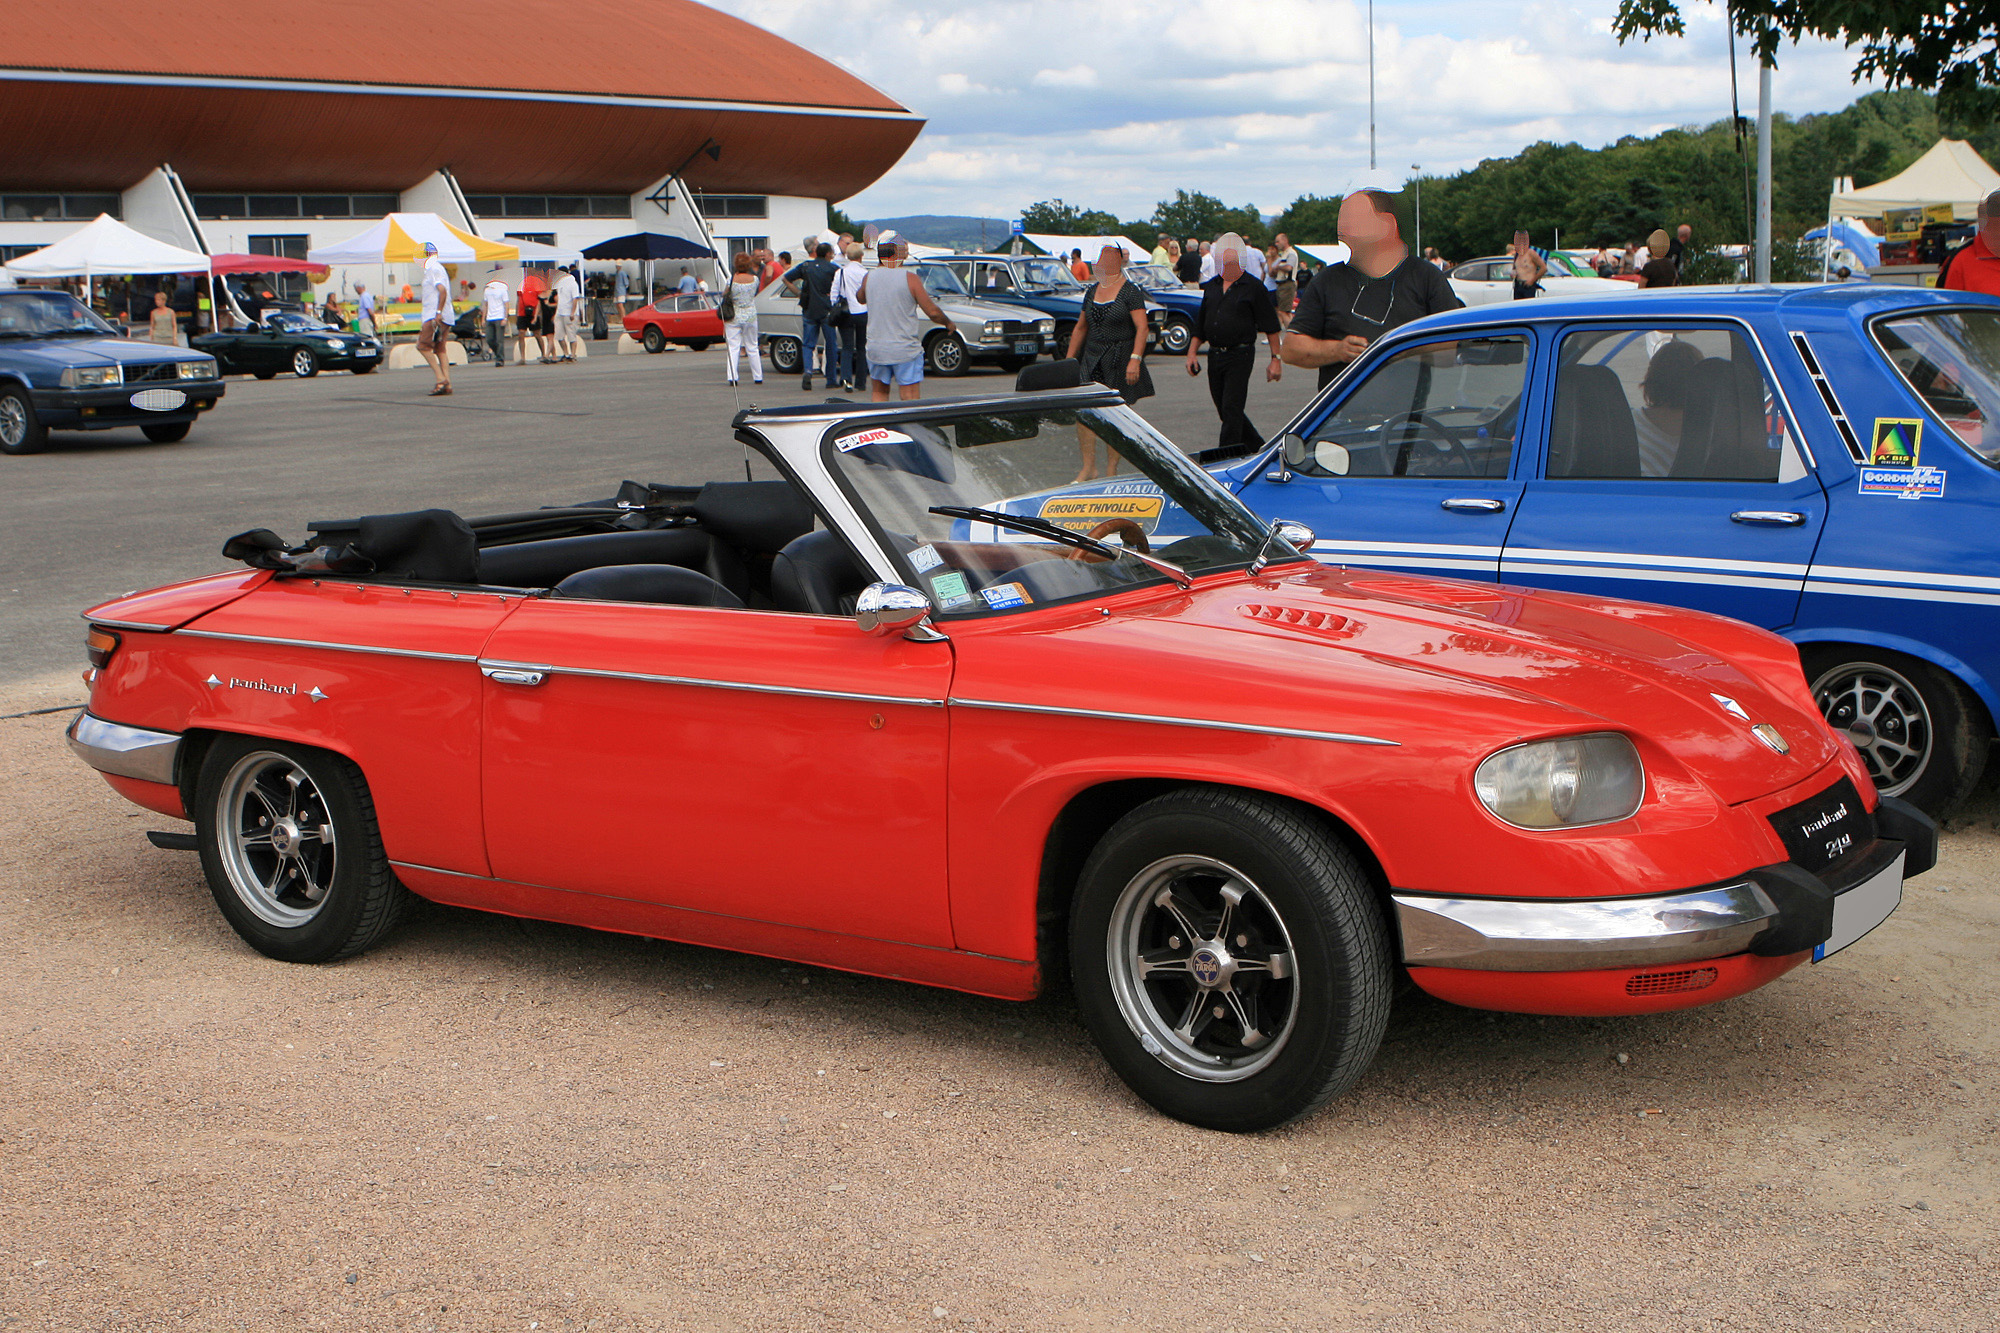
{"points": [[1951, 358], [1101, 472], [35, 314]]}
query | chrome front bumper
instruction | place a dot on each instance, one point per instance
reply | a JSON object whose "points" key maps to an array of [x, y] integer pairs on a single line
{"points": [[126, 752], [1544, 935]]}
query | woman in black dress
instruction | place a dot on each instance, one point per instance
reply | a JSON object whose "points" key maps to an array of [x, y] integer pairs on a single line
{"points": [[1109, 344]]}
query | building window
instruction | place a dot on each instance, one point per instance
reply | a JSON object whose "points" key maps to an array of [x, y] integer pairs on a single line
{"points": [[733, 205], [743, 245], [295, 205], [538, 237], [285, 286], [56, 207], [549, 205]]}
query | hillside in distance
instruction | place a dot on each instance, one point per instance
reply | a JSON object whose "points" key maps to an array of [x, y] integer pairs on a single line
{"points": [[957, 233]]}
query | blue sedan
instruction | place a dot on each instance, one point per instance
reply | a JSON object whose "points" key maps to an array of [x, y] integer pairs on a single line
{"points": [[1814, 460], [63, 368]]}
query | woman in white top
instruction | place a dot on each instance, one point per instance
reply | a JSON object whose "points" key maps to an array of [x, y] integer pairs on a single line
{"points": [[854, 339], [741, 332]]}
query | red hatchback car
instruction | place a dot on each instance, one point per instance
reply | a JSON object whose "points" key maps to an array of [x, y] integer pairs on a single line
{"points": [[691, 321], [929, 709]]}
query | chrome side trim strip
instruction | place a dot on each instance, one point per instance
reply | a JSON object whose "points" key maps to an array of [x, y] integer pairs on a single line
{"points": [[1205, 724], [1554, 935], [124, 624], [490, 665], [702, 911], [126, 752], [334, 647]]}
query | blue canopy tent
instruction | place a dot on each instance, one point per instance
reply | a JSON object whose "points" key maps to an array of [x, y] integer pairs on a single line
{"points": [[648, 246]]}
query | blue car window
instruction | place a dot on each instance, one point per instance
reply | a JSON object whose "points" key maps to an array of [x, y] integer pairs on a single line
{"points": [[1951, 359], [1436, 410], [1679, 404]]}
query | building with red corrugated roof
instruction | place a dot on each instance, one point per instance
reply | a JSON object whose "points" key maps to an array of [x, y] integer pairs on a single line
{"points": [[277, 128]]}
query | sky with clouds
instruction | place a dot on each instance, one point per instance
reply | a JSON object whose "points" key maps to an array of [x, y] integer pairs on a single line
{"points": [[1115, 106]]}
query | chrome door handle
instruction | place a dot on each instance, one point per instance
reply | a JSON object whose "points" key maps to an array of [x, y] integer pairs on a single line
{"points": [[513, 675], [1773, 518], [1469, 506]]}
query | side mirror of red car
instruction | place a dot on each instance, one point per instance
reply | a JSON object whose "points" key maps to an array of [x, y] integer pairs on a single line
{"points": [[890, 608]]}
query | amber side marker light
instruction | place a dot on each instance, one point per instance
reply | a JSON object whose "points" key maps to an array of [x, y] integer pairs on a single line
{"points": [[100, 644]]}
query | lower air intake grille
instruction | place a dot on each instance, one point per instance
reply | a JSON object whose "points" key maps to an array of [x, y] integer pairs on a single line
{"points": [[1671, 983]]}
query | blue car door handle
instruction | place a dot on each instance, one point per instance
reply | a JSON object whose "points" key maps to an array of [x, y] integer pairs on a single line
{"points": [[1772, 518], [1471, 506]]}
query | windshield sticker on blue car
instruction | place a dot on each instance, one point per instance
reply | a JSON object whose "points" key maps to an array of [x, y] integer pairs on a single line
{"points": [[1895, 442], [1006, 594], [1904, 483], [879, 435], [925, 558], [950, 588], [1082, 513]]}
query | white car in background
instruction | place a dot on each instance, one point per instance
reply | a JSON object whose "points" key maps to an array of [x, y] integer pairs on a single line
{"points": [[1484, 281]]}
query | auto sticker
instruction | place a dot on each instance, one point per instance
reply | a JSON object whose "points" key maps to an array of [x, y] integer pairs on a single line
{"points": [[950, 588], [1006, 594], [925, 558], [1904, 483], [879, 435], [1081, 513], [1895, 442]]}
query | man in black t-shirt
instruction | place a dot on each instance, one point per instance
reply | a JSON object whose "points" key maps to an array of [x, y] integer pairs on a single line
{"points": [[1188, 267], [1236, 309], [1348, 306], [813, 280]]}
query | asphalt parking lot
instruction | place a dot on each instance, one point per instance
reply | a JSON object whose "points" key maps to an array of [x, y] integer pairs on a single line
{"points": [[497, 1124]]}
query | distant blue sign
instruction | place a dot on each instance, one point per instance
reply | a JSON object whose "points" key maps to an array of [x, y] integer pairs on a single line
{"points": [[1017, 227]]}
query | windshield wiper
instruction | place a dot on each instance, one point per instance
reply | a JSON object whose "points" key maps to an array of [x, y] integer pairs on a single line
{"points": [[1042, 527]]}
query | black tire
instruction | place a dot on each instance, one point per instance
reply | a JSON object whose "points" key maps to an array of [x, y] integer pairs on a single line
{"points": [[944, 355], [265, 374], [1303, 897], [655, 341], [368, 369], [1922, 733], [1063, 329], [701, 344], [1014, 364], [787, 355], [267, 894], [170, 433], [1176, 335], [21, 431], [304, 364]]}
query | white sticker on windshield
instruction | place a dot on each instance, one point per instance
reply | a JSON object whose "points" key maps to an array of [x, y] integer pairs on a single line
{"points": [[880, 435], [925, 557], [1006, 594]]}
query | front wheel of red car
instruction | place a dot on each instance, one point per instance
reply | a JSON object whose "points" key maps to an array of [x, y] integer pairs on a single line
{"points": [[1230, 959], [292, 852], [654, 340]]}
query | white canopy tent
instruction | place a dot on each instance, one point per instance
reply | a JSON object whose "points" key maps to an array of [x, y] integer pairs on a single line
{"points": [[106, 247], [1091, 246], [1950, 173], [399, 238], [1325, 254]]}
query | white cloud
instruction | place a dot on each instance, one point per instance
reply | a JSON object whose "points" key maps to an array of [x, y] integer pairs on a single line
{"points": [[1259, 103]]}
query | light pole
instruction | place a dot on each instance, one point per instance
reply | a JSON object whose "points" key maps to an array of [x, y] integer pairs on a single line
{"points": [[1418, 168], [1371, 85]]}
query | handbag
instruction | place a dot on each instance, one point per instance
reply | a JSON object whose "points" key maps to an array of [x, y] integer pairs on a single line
{"points": [[727, 308], [839, 315]]}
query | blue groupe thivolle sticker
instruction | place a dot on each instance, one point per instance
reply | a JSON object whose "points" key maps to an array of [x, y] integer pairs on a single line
{"points": [[950, 588], [1006, 594], [925, 558], [1904, 483]]}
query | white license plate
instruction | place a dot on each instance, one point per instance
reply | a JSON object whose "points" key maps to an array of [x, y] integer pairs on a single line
{"points": [[1026, 347], [1862, 908]]}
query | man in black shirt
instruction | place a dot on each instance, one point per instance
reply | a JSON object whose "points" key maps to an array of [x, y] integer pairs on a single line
{"points": [[1235, 309], [1188, 268], [813, 280], [1348, 306]]}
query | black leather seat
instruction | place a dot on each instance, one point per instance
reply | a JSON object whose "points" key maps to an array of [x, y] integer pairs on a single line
{"points": [[668, 585], [816, 574], [545, 564], [1593, 434]]}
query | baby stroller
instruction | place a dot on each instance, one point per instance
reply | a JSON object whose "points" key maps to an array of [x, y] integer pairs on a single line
{"points": [[471, 332]]}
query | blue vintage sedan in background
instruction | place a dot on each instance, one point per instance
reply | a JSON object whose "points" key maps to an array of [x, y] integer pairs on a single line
{"points": [[1815, 460], [63, 368]]}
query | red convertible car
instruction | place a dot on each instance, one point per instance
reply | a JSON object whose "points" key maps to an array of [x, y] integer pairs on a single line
{"points": [[690, 320], [930, 710]]}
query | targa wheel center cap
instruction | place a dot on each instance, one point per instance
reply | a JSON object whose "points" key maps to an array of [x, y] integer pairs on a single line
{"points": [[286, 836], [1860, 732], [1211, 966]]}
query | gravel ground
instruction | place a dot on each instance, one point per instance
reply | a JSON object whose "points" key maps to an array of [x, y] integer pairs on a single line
{"points": [[495, 1124]]}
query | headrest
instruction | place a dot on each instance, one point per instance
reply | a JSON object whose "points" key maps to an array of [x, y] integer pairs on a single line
{"points": [[1043, 376], [756, 516]]}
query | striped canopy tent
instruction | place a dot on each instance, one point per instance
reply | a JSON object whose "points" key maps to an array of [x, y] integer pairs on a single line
{"points": [[399, 239]]}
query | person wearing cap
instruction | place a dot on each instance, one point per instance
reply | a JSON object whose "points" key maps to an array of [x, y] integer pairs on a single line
{"points": [[432, 339], [496, 298]]}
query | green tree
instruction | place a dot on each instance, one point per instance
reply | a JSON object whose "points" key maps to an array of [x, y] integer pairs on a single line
{"points": [[838, 222], [1191, 213], [1056, 218], [1310, 219], [1942, 46]]}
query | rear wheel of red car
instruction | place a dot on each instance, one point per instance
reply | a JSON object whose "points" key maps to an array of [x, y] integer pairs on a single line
{"points": [[1230, 959], [1922, 733], [21, 432], [655, 340], [292, 853], [700, 344]]}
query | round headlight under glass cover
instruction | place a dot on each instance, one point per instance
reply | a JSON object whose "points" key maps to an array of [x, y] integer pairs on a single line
{"points": [[1564, 783]]}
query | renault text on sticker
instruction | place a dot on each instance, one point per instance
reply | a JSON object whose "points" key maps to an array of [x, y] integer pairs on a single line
{"points": [[1895, 442], [925, 558], [1905, 483], [879, 435], [1081, 513], [1006, 594], [950, 588]]}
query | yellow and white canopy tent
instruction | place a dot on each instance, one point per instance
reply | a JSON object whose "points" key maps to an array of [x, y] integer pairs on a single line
{"points": [[1952, 172], [399, 239]]}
